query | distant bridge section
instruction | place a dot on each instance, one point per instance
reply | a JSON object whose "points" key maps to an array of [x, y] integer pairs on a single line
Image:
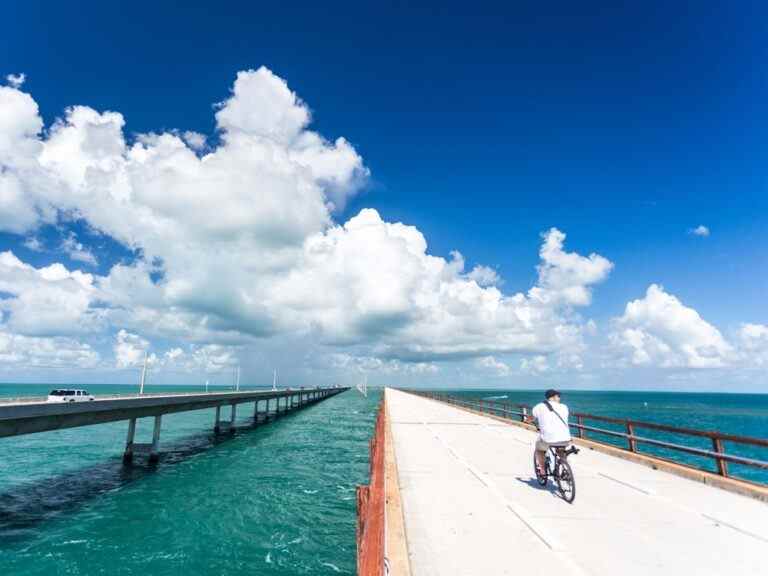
{"points": [[31, 415]]}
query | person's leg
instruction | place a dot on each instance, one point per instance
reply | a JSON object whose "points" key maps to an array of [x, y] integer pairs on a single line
{"points": [[541, 452]]}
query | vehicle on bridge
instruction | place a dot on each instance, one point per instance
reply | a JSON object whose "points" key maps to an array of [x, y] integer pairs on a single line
{"points": [[69, 395]]}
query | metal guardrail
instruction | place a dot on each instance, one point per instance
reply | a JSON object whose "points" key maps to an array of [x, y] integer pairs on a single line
{"points": [[721, 458]]}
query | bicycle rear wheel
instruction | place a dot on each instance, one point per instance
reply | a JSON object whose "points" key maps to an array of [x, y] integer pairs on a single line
{"points": [[566, 483], [540, 478]]}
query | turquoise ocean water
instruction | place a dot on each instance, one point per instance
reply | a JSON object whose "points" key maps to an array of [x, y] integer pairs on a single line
{"points": [[275, 499], [739, 414]]}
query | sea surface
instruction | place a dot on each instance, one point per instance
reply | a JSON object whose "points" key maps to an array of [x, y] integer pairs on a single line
{"points": [[275, 499], [738, 414], [278, 498]]}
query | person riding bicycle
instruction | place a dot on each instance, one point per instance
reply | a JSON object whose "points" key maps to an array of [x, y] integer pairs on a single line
{"points": [[551, 418]]}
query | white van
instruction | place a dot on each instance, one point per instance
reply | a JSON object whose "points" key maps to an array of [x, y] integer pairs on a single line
{"points": [[69, 396]]}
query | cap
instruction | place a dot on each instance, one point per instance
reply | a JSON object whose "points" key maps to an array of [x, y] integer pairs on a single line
{"points": [[551, 392]]}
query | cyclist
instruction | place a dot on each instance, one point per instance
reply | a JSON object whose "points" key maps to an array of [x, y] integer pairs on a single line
{"points": [[551, 417]]}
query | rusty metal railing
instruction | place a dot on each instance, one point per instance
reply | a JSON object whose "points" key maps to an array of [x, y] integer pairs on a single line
{"points": [[721, 458], [370, 508]]}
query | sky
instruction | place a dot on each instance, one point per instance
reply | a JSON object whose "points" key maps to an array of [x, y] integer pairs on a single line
{"points": [[443, 195]]}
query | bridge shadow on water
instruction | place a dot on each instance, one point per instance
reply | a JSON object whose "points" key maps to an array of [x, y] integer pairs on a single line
{"points": [[24, 507]]}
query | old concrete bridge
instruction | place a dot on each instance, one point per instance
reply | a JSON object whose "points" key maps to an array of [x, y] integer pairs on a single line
{"points": [[30, 415]]}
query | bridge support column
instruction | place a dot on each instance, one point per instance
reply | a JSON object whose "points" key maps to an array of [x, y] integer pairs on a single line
{"points": [[217, 425], [256, 412], [128, 454], [232, 419], [154, 455]]}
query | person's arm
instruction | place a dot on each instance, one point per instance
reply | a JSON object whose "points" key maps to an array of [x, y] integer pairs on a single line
{"points": [[533, 418]]}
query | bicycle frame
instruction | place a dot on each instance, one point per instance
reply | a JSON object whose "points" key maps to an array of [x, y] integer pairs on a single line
{"points": [[553, 455], [556, 466]]}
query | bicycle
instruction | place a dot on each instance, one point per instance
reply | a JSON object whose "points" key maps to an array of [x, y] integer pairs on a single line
{"points": [[556, 466]]}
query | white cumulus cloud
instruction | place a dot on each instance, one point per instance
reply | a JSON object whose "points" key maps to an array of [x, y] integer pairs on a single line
{"points": [[535, 365], [130, 349], [18, 352], [497, 367], [76, 251], [566, 276], [243, 238], [700, 230], [374, 281], [660, 330], [753, 343], [48, 301], [16, 80]]}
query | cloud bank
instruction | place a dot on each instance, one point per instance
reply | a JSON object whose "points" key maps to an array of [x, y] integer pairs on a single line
{"points": [[238, 239]]}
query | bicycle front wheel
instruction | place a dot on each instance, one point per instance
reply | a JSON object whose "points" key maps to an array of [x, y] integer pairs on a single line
{"points": [[566, 483]]}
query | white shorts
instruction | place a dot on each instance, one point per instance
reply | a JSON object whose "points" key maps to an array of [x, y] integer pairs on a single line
{"points": [[542, 446]]}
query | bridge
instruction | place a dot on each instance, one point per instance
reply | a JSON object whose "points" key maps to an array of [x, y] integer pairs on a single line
{"points": [[452, 492], [30, 415]]}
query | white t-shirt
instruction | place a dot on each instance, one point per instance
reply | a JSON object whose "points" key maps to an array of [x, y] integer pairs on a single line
{"points": [[551, 428]]}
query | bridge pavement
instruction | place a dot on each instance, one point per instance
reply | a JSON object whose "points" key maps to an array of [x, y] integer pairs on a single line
{"points": [[472, 507]]}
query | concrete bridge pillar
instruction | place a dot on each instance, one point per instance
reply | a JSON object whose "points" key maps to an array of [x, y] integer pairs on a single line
{"points": [[128, 454], [154, 453], [217, 425], [232, 418]]}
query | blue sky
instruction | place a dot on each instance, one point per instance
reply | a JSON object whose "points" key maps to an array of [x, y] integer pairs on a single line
{"points": [[483, 127]]}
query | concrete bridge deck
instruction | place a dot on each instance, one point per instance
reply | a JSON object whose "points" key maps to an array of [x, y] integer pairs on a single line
{"points": [[472, 507], [25, 416]]}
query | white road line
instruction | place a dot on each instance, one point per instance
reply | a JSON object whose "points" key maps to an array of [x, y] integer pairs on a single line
{"points": [[627, 484], [736, 528], [521, 513]]}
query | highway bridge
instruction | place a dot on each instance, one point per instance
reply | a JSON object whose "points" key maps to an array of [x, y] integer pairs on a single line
{"points": [[31, 415]]}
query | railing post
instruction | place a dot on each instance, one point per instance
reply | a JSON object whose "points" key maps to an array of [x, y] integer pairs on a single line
{"points": [[524, 415], [722, 465], [580, 420], [631, 440]]}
